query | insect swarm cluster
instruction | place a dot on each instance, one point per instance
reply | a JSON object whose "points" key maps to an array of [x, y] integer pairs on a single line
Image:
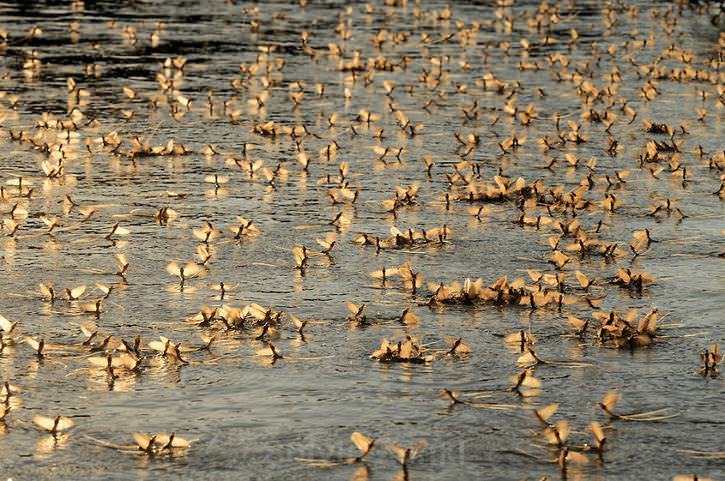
{"points": [[464, 237]]}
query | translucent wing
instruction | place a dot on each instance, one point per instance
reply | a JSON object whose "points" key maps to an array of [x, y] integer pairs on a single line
{"points": [[611, 399], [32, 343], [690, 477], [176, 441], [99, 361], [121, 260], [583, 280], [534, 275], [88, 333], [328, 241], [257, 311], [362, 442], [64, 423], [129, 361], [297, 321], [408, 350], [597, 431], [401, 454], [530, 381], [77, 292], [157, 346], [180, 442], [562, 427], [93, 307], [192, 270], [299, 255], [526, 359], [44, 422], [6, 325], [546, 412], [577, 323], [173, 269], [143, 440], [463, 348], [526, 379]]}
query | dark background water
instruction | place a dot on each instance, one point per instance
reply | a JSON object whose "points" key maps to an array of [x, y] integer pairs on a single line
{"points": [[251, 419]]}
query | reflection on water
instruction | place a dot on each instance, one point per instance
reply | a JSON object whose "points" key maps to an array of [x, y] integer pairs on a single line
{"points": [[222, 135]]}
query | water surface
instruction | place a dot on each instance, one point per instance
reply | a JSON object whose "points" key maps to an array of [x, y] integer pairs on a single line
{"points": [[252, 419]]}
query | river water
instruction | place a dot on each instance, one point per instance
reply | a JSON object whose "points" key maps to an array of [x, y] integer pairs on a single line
{"points": [[251, 419]]}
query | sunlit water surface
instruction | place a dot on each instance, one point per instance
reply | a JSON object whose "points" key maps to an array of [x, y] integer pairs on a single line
{"points": [[251, 419]]}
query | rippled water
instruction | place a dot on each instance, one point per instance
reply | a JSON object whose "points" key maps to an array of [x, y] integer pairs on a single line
{"points": [[252, 419]]}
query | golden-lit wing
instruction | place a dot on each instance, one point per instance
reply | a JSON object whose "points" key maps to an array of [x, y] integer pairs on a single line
{"points": [[611, 399], [577, 323], [299, 255], [176, 441], [6, 325], [526, 359], [44, 422], [362, 442], [597, 431], [64, 423], [530, 381], [562, 427], [463, 348], [77, 292], [401, 454], [192, 270], [99, 361], [121, 260], [88, 333], [173, 269], [546, 412], [45, 291], [32, 343], [296, 321], [534, 275], [257, 311], [143, 440], [157, 346], [583, 280]]}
